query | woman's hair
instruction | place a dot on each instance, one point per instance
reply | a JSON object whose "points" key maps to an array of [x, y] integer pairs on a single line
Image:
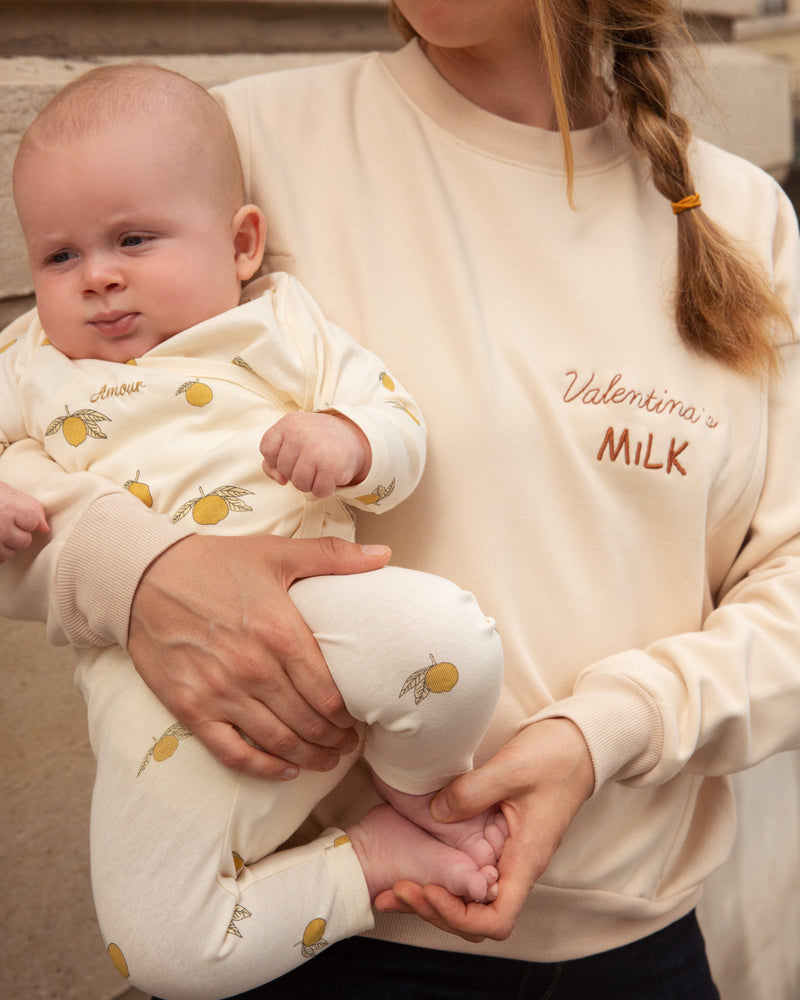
{"points": [[724, 304]]}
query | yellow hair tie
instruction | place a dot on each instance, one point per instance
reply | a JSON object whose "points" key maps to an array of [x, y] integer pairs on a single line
{"points": [[690, 201]]}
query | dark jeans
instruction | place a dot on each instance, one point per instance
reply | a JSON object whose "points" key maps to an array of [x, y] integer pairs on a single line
{"points": [[668, 965]]}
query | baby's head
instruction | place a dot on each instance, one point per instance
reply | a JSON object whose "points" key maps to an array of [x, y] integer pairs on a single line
{"points": [[129, 190]]}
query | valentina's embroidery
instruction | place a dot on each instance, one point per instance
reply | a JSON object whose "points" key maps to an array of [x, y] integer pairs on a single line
{"points": [[592, 392], [644, 453]]}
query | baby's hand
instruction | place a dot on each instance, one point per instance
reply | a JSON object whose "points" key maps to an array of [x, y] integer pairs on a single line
{"points": [[20, 516], [316, 452]]}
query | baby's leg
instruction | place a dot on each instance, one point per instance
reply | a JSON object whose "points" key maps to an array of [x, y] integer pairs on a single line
{"points": [[415, 658], [195, 900]]}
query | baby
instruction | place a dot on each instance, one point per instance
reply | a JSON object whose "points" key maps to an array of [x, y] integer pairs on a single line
{"points": [[144, 368]]}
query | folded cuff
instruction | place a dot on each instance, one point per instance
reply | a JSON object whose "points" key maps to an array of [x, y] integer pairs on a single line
{"points": [[100, 567]]}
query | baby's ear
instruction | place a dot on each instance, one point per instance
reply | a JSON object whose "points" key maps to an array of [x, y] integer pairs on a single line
{"points": [[249, 236]]}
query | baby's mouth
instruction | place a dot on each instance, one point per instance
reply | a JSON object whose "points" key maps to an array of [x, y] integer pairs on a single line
{"points": [[114, 324]]}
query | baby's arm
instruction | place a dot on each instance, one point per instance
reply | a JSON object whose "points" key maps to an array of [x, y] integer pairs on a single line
{"points": [[20, 513], [20, 516], [330, 375], [316, 452]]}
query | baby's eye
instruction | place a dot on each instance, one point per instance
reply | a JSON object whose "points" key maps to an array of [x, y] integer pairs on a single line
{"points": [[134, 240], [60, 257]]}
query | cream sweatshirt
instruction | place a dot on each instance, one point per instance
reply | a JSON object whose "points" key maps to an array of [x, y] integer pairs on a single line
{"points": [[627, 510]]}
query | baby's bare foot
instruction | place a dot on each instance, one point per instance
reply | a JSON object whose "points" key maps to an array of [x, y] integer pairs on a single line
{"points": [[390, 848], [482, 837]]}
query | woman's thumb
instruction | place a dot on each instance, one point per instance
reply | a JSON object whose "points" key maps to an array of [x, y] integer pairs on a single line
{"points": [[468, 795]]}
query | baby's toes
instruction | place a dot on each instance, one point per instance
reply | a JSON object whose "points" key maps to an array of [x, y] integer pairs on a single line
{"points": [[496, 832], [490, 874]]}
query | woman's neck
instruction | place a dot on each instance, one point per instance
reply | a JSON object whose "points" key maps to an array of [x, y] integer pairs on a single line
{"points": [[512, 84]]}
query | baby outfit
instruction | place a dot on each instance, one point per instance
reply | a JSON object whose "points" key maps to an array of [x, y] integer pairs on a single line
{"points": [[193, 896]]}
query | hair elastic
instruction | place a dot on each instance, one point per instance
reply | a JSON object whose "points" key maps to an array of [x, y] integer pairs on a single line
{"points": [[690, 201]]}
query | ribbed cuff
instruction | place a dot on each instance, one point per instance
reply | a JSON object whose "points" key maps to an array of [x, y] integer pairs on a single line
{"points": [[101, 565], [352, 885], [620, 722]]}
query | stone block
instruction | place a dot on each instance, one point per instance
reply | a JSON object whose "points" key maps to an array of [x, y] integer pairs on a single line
{"points": [[724, 9], [741, 100]]}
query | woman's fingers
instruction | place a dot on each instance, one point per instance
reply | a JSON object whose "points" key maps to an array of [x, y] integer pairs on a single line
{"points": [[408, 897], [539, 779], [550, 755], [215, 636]]}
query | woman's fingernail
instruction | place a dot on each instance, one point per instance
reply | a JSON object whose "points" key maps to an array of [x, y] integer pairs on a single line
{"points": [[375, 550], [350, 744], [440, 809], [290, 773]]}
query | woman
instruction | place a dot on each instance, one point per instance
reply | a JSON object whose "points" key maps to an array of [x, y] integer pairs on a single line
{"points": [[607, 379]]}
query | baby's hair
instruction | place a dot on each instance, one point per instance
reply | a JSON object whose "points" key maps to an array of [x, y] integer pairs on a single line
{"points": [[107, 96], [724, 304]]}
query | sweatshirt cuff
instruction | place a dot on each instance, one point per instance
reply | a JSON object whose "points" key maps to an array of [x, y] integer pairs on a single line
{"points": [[102, 563], [620, 722]]}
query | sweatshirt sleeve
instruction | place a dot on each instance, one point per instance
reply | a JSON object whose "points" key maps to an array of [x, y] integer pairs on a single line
{"points": [[16, 351], [724, 698], [80, 578], [343, 377]]}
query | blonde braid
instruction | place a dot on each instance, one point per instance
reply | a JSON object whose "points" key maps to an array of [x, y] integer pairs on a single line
{"points": [[724, 304]]}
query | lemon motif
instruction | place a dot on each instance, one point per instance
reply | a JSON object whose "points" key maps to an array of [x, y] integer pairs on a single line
{"points": [[238, 861], [211, 508], [77, 426], [378, 494], [5, 347], [341, 841], [140, 490], [197, 393], [239, 913], [405, 409], [74, 430], [313, 940], [116, 956], [165, 746], [386, 381], [438, 678]]}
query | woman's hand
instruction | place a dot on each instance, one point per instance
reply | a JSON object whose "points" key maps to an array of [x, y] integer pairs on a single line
{"points": [[215, 636], [540, 780]]}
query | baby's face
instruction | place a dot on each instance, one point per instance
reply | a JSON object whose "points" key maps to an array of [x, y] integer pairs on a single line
{"points": [[127, 246]]}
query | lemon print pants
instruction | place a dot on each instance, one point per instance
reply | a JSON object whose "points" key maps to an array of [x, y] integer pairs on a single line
{"points": [[194, 899]]}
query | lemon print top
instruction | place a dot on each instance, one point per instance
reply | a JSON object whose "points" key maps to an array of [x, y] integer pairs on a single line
{"points": [[181, 428]]}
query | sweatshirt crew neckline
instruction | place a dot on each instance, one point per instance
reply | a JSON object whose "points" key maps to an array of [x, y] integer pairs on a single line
{"points": [[596, 148]]}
